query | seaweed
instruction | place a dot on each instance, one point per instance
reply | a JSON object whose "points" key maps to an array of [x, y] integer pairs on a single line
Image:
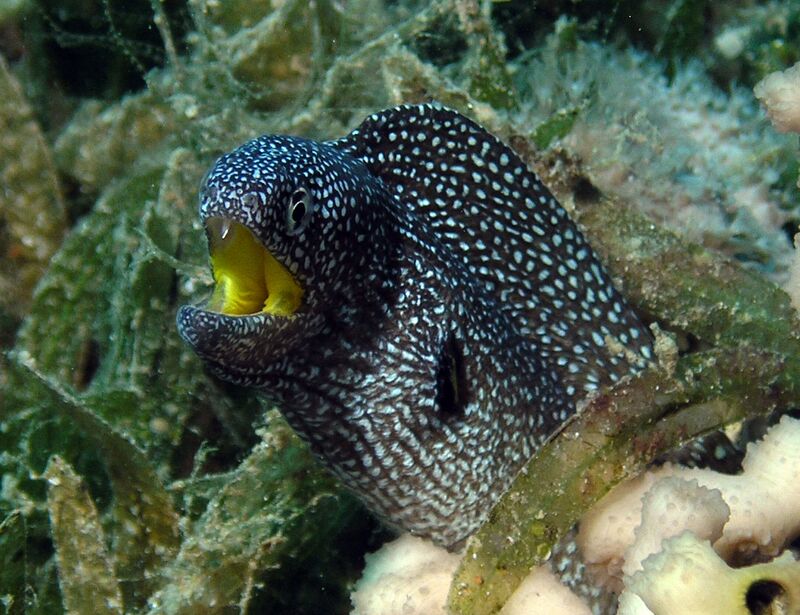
{"points": [[86, 572]]}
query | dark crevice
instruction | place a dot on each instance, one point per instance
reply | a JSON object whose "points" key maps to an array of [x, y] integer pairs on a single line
{"points": [[585, 191], [79, 198], [765, 597], [441, 44], [452, 391], [103, 48], [791, 228], [88, 364], [231, 433], [172, 300]]}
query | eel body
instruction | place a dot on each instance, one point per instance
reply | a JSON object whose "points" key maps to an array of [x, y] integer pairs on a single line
{"points": [[416, 302]]}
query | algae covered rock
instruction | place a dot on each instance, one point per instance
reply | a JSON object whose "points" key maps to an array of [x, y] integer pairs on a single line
{"points": [[101, 143]]}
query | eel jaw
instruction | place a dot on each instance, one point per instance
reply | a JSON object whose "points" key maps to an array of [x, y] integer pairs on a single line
{"points": [[248, 278]]}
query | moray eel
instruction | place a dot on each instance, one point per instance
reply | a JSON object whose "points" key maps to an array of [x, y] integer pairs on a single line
{"points": [[419, 306]]}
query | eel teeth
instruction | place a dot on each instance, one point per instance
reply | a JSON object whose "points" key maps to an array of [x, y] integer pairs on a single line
{"points": [[225, 229]]}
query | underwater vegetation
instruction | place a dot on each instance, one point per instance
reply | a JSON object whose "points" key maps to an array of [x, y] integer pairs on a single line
{"points": [[134, 481]]}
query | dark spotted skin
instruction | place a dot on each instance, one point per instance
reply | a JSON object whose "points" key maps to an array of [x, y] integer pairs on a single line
{"points": [[452, 313]]}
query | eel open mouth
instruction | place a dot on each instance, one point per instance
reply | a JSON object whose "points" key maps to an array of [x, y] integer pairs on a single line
{"points": [[249, 280]]}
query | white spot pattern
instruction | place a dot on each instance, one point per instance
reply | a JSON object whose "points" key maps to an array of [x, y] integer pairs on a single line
{"points": [[452, 311]]}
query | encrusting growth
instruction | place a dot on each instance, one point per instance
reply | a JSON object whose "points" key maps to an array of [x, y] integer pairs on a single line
{"points": [[418, 304]]}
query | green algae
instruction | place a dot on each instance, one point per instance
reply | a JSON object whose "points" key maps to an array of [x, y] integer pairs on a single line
{"points": [[88, 579], [141, 511], [28, 578], [192, 511], [32, 215], [252, 524], [11, 8], [757, 40], [489, 79], [692, 289], [556, 127], [276, 55], [12, 549], [681, 150], [98, 359]]}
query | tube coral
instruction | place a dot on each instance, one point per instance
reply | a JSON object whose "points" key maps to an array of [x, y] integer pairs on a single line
{"points": [[748, 518], [408, 576], [687, 576], [779, 92]]}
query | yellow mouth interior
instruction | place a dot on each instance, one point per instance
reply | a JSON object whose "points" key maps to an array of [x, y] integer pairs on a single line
{"points": [[248, 278]]}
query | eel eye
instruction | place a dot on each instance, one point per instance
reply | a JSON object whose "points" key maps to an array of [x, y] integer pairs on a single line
{"points": [[299, 211]]}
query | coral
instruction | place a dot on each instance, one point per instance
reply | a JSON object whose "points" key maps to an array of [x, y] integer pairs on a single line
{"points": [[747, 518], [687, 576], [542, 592], [620, 431], [637, 539], [615, 538], [409, 576], [779, 92], [670, 507], [767, 492]]}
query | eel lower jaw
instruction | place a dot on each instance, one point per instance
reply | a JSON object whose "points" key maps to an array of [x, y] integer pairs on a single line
{"points": [[248, 279], [232, 346]]}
